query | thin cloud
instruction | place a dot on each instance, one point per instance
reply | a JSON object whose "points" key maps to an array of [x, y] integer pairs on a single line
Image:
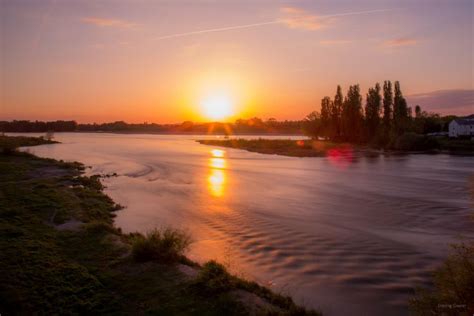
{"points": [[334, 42], [399, 42], [301, 19], [103, 22], [295, 18]]}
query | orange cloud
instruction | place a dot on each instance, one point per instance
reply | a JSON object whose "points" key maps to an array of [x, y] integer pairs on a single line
{"points": [[398, 42], [296, 18], [103, 22]]}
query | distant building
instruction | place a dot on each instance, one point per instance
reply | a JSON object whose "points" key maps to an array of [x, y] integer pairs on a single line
{"points": [[462, 127]]}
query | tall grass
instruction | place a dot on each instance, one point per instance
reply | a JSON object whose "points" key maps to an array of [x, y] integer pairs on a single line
{"points": [[165, 245], [453, 288], [214, 278]]}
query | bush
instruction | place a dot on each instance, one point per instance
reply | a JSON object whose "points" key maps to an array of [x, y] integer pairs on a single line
{"points": [[166, 245], [213, 277], [412, 141], [453, 292]]}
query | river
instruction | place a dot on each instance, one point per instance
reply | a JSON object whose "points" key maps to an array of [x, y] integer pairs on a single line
{"points": [[349, 234]]}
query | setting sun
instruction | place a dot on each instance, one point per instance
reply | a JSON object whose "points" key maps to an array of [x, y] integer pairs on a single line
{"points": [[217, 107]]}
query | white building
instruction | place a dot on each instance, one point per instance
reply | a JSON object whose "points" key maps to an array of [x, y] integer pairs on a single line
{"points": [[462, 127]]}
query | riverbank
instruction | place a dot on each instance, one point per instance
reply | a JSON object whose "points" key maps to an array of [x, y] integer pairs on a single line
{"points": [[283, 147], [60, 253], [318, 148]]}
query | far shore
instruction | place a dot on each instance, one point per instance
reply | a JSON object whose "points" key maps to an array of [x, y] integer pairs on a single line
{"points": [[319, 148], [167, 133]]}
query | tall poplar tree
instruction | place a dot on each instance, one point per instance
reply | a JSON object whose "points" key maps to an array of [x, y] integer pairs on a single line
{"points": [[400, 110], [326, 115], [372, 111], [387, 107], [337, 112], [352, 114]]}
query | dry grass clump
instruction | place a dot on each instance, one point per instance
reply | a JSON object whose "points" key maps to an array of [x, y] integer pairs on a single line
{"points": [[165, 245]]}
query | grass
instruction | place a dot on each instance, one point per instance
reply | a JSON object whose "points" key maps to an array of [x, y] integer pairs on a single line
{"points": [[453, 288], [409, 142], [284, 147], [166, 245], [214, 278], [8, 144], [94, 268]]}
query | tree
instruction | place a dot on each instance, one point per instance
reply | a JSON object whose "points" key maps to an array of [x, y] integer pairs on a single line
{"points": [[387, 107], [400, 110], [372, 111], [352, 114], [337, 112], [325, 116], [312, 124], [417, 111]]}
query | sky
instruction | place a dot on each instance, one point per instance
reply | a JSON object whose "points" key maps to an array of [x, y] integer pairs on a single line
{"points": [[159, 61]]}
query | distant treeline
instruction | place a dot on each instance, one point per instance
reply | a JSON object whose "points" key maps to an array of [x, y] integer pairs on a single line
{"points": [[241, 126], [37, 126], [382, 121]]}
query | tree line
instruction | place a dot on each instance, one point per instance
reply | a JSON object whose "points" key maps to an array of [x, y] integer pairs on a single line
{"points": [[241, 126], [383, 118]]}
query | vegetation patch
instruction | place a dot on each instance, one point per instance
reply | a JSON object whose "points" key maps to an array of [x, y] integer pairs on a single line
{"points": [[214, 278], [9, 144], [284, 147], [459, 146], [453, 288], [166, 245], [415, 142]]}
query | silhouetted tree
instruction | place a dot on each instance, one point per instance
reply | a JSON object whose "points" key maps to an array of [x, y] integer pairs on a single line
{"points": [[400, 110], [326, 116], [417, 111], [337, 112], [345, 120], [38, 126], [312, 124], [372, 111], [352, 114], [387, 107]]}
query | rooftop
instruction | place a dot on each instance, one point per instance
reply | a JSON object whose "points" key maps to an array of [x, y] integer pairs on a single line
{"points": [[468, 120]]}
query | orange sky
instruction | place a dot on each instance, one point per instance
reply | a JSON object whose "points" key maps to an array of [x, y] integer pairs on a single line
{"points": [[157, 61]]}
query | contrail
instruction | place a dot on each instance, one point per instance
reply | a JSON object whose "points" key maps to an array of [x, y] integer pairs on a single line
{"points": [[236, 27], [353, 13], [218, 29]]}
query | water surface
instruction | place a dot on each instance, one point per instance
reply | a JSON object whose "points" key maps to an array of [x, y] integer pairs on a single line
{"points": [[349, 234]]}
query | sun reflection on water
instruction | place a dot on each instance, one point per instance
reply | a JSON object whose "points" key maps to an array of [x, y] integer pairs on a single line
{"points": [[218, 153], [217, 176], [217, 163]]}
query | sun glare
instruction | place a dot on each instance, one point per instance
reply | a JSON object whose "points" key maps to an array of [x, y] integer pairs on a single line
{"points": [[217, 107], [217, 153]]}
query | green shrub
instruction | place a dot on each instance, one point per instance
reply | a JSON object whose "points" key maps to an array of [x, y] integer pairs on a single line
{"points": [[453, 291], [167, 245], [213, 277]]}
